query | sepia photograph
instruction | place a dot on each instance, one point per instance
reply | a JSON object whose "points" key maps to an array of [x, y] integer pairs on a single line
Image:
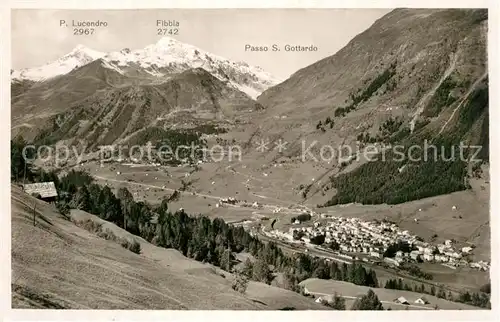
{"points": [[250, 159]]}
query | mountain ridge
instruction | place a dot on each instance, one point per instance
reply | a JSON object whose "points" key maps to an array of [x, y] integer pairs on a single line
{"points": [[112, 113], [156, 61], [412, 76]]}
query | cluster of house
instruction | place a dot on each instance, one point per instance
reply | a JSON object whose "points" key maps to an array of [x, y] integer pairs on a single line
{"points": [[400, 300], [403, 300], [234, 201], [372, 239], [228, 200]]}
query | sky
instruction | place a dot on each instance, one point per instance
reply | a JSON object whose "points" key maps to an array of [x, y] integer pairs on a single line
{"points": [[38, 36]]}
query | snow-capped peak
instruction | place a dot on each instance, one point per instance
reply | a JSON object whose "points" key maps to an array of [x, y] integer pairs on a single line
{"points": [[167, 41], [84, 51], [79, 56], [163, 58], [168, 55]]}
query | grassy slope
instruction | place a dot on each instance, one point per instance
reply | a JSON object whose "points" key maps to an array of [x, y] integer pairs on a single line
{"points": [[385, 295], [56, 264]]}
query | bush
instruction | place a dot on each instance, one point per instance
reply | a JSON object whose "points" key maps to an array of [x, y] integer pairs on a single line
{"points": [[134, 247], [89, 225], [107, 234], [368, 302], [486, 288], [318, 240], [301, 218], [240, 283], [63, 209], [338, 302]]}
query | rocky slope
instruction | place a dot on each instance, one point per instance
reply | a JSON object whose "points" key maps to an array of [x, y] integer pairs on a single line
{"points": [[115, 113], [414, 75]]}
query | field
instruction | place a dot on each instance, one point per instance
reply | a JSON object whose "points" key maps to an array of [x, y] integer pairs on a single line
{"points": [[200, 196], [321, 287], [56, 264]]}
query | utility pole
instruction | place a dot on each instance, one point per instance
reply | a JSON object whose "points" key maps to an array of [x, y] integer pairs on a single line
{"points": [[34, 213], [25, 165], [228, 257]]}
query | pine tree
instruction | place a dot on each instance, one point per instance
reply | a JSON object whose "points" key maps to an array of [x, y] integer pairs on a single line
{"points": [[338, 302], [81, 199], [322, 271], [441, 293], [261, 272], [126, 202], [225, 260], [20, 169], [369, 302], [372, 279], [240, 283], [400, 284], [248, 268]]}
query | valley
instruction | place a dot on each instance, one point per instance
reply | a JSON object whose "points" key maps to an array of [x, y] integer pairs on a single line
{"points": [[238, 190], [258, 207]]}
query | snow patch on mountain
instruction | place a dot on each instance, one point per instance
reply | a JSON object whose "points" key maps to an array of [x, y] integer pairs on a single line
{"points": [[111, 66], [79, 56], [169, 56], [162, 59]]}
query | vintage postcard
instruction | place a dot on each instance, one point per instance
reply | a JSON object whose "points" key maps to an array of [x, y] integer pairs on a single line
{"points": [[306, 159]]}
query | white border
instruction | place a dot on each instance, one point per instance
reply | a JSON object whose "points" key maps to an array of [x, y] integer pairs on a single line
{"points": [[166, 4], [243, 316]]}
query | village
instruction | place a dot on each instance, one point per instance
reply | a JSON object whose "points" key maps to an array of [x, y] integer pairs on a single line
{"points": [[353, 238], [375, 242]]}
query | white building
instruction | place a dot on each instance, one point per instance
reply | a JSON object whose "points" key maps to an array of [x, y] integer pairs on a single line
{"points": [[466, 250], [421, 300], [428, 250], [401, 300], [414, 255], [391, 261], [428, 257]]}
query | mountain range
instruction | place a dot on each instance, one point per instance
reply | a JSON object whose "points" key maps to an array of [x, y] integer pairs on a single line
{"points": [[156, 62], [414, 75], [415, 82], [85, 90]]}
